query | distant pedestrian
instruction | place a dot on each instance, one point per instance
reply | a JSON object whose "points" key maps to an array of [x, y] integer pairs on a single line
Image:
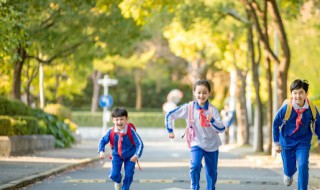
{"points": [[126, 146], [227, 120], [292, 133], [203, 125]]}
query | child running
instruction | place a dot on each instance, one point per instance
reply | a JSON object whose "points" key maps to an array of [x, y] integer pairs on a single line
{"points": [[202, 134], [293, 137], [126, 146]]}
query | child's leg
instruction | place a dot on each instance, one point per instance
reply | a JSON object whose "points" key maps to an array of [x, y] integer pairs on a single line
{"points": [[289, 161], [115, 172], [128, 174], [195, 168], [211, 165], [303, 168]]}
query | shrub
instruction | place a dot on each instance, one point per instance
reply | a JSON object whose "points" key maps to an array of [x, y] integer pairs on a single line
{"points": [[14, 107], [5, 126], [25, 125], [58, 110]]}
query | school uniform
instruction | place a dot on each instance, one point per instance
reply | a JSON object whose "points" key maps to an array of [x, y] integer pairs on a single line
{"points": [[205, 144], [121, 155], [295, 139]]}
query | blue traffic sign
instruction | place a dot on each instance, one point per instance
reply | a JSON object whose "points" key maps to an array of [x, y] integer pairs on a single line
{"points": [[105, 101]]}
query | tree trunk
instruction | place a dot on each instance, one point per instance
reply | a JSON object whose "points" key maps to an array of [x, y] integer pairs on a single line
{"points": [[241, 111], [96, 89], [258, 134], [267, 62], [41, 86], [18, 65], [285, 61]]}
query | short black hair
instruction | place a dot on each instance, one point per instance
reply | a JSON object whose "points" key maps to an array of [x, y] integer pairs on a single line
{"points": [[204, 83], [298, 83], [119, 112]]}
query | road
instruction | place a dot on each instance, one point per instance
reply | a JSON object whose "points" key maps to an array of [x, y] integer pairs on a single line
{"points": [[165, 166]]}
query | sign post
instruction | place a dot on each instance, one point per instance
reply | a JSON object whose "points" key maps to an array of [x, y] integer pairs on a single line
{"points": [[106, 101]]}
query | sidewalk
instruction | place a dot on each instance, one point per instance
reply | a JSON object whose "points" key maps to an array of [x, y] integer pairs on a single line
{"points": [[16, 172]]}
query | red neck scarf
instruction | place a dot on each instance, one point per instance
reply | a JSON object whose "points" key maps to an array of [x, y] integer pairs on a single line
{"points": [[203, 119], [120, 143], [298, 120]]}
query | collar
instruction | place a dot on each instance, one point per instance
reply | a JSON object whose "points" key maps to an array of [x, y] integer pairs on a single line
{"points": [[296, 106], [206, 105], [124, 130]]}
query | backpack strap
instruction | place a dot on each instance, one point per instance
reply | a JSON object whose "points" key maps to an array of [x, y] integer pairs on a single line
{"points": [[111, 138], [190, 117], [314, 116], [129, 132], [190, 114], [287, 114]]}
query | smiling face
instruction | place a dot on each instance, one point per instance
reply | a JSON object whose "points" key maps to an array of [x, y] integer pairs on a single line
{"points": [[299, 96], [120, 122], [201, 93]]}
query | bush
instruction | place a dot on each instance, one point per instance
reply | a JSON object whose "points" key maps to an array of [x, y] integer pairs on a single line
{"points": [[58, 110], [5, 126], [14, 107], [139, 119], [57, 128], [18, 125], [25, 125]]}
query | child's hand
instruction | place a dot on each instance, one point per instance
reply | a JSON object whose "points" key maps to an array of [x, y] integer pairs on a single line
{"points": [[209, 117], [319, 147], [134, 158], [102, 155], [278, 148], [171, 135]]}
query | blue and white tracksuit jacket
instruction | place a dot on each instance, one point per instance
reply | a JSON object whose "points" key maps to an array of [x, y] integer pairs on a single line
{"points": [[295, 146], [205, 144], [128, 150]]}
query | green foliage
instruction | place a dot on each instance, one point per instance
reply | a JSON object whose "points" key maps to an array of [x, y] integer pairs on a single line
{"points": [[18, 125], [25, 125], [139, 119], [58, 110], [5, 126], [57, 128], [13, 107]]}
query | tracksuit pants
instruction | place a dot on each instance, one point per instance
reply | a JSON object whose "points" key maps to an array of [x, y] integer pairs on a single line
{"points": [[211, 166], [115, 172], [297, 156]]}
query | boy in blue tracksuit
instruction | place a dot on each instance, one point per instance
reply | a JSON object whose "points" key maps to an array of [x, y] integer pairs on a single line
{"points": [[293, 137], [127, 147]]}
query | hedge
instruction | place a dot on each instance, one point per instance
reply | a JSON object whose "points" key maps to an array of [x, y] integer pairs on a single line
{"points": [[18, 125], [139, 119]]}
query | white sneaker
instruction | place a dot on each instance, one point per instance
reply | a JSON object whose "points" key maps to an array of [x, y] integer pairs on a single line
{"points": [[117, 186], [287, 180]]}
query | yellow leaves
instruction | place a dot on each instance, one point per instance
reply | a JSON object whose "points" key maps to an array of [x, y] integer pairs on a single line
{"points": [[54, 6], [188, 43], [104, 65], [139, 10]]}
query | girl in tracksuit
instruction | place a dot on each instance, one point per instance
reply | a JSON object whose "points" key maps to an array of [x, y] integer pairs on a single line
{"points": [[293, 137], [124, 151], [205, 140]]}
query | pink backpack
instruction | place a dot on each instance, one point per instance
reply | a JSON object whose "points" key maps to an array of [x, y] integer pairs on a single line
{"points": [[190, 133]]}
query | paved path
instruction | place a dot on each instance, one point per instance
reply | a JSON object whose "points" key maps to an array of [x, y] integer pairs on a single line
{"points": [[166, 169]]}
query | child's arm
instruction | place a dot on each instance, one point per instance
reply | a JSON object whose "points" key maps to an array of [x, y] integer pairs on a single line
{"points": [[139, 145], [179, 112], [277, 122], [215, 120], [103, 142], [317, 128]]}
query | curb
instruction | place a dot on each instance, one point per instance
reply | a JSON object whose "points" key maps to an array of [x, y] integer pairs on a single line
{"points": [[19, 183]]}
